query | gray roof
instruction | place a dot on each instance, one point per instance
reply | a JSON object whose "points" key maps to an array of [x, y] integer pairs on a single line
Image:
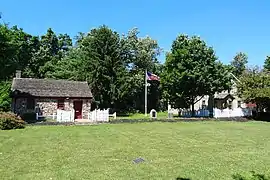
{"points": [[51, 88], [222, 95]]}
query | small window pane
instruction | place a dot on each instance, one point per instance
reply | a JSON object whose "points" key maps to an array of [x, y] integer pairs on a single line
{"points": [[61, 104], [239, 104], [230, 105]]}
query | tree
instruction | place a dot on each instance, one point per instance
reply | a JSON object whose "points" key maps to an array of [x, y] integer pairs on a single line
{"points": [[46, 52], [57, 58], [69, 67], [15, 50], [140, 53], [192, 71], [239, 64], [114, 66], [267, 63], [103, 66], [5, 99], [6, 53], [255, 87]]}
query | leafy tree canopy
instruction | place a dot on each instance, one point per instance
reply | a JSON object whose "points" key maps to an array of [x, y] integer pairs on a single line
{"points": [[5, 100], [267, 64], [239, 64], [191, 70], [255, 87]]}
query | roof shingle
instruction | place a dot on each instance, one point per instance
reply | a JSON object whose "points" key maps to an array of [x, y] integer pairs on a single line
{"points": [[51, 88], [222, 95]]}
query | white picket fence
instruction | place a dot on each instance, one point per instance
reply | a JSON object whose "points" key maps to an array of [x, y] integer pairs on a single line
{"points": [[93, 116], [65, 116], [99, 115], [218, 113], [237, 112]]}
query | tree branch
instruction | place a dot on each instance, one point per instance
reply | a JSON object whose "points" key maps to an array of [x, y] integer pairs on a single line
{"points": [[198, 99]]}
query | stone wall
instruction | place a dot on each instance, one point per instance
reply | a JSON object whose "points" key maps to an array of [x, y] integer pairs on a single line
{"points": [[86, 108], [47, 106], [68, 105], [20, 105]]}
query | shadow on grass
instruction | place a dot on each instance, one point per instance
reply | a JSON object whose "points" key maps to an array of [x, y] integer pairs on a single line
{"points": [[181, 178], [116, 121], [251, 176]]}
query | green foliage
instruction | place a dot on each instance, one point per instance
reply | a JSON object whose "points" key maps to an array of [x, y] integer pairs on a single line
{"points": [[51, 50], [267, 64], [255, 87], [114, 67], [9, 121], [69, 67], [7, 52], [239, 64], [103, 66], [191, 70], [16, 50], [5, 99], [139, 53], [251, 176], [33, 55]]}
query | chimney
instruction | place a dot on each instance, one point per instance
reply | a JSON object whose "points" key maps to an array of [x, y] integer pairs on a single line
{"points": [[18, 74]]}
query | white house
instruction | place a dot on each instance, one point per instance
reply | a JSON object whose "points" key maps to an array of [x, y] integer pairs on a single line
{"points": [[225, 104], [224, 100]]}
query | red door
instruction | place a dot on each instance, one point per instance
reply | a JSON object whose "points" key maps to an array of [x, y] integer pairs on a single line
{"points": [[78, 109]]}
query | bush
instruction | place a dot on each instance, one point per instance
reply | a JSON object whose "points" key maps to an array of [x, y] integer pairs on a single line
{"points": [[262, 116], [9, 120], [29, 117]]}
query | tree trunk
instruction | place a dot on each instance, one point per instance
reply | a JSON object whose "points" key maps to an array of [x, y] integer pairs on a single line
{"points": [[192, 108], [211, 105]]}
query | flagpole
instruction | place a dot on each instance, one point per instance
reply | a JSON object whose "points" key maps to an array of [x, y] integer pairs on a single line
{"points": [[145, 94]]}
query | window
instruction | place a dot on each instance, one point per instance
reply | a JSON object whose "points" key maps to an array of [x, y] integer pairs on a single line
{"points": [[61, 104], [230, 104], [30, 103], [203, 104], [239, 104]]}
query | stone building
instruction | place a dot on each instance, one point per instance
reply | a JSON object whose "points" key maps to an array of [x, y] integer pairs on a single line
{"points": [[45, 96]]}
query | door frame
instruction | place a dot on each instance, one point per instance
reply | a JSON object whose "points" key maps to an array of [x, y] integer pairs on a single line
{"points": [[75, 106]]}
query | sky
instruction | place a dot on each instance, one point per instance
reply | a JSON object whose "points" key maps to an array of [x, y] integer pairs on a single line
{"points": [[229, 26]]}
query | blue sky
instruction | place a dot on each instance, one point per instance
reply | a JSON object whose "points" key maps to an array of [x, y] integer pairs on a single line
{"points": [[229, 26]]}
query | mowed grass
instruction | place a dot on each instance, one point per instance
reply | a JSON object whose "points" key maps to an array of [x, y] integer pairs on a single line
{"points": [[196, 150], [160, 115]]}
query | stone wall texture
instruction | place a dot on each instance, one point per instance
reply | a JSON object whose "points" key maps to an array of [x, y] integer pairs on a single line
{"points": [[68, 104], [86, 108], [20, 106], [48, 106]]}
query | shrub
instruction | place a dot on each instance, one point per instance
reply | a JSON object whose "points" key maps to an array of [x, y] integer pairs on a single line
{"points": [[5, 99], [9, 120], [29, 117], [262, 116]]}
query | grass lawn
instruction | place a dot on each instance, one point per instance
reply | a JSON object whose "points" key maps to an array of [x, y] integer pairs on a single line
{"points": [[162, 115], [196, 150]]}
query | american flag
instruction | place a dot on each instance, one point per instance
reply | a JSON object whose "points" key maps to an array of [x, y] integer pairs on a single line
{"points": [[152, 77]]}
